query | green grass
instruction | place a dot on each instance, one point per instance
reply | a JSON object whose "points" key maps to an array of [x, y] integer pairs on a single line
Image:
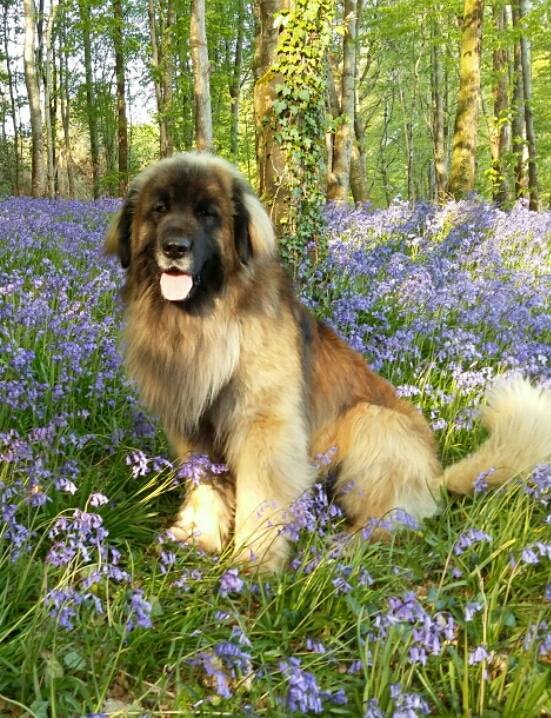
{"points": [[99, 666]]}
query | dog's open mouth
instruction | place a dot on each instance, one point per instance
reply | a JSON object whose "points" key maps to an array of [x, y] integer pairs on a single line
{"points": [[176, 286]]}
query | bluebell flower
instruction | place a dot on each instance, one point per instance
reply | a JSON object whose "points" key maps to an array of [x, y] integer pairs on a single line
{"points": [[303, 692], [469, 538], [479, 654], [470, 609], [139, 611], [230, 582]]}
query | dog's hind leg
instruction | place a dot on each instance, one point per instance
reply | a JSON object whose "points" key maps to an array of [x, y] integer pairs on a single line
{"points": [[386, 460], [206, 516]]}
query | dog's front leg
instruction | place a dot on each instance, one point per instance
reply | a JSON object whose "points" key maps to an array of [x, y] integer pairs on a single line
{"points": [[205, 518], [270, 462]]}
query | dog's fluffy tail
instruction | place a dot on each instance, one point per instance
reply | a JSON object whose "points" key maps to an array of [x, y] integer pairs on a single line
{"points": [[518, 418]]}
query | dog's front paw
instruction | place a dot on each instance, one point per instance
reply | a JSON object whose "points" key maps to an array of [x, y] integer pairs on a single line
{"points": [[204, 520]]}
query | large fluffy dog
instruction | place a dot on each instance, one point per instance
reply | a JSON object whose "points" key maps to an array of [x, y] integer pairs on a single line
{"points": [[237, 368]]}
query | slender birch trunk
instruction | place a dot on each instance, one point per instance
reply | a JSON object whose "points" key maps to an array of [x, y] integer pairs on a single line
{"points": [[533, 194], [65, 105], [48, 98], [38, 181], [13, 104], [438, 119]]}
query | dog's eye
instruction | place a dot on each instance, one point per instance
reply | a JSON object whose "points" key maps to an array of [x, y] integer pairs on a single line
{"points": [[160, 208], [206, 210]]}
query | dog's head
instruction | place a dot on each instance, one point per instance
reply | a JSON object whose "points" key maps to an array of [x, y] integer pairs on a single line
{"points": [[188, 224]]}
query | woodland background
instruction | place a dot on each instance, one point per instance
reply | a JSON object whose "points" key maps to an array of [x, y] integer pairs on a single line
{"points": [[360, 100]]}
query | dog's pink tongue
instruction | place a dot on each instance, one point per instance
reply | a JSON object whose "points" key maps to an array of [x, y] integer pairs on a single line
{"points": [[176, 287]]}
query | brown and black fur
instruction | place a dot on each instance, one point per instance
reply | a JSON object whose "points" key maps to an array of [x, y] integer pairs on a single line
{"points": [[241, 371]]}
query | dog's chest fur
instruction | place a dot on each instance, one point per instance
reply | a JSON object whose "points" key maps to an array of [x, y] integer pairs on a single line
{"points": [[183, 367]]}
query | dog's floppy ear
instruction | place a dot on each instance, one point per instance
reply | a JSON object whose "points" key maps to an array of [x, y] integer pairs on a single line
{"points": [[253, 231], [117, 238]]}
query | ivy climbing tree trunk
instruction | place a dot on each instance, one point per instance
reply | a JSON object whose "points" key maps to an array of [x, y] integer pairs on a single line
{"points": [[201, 83], [339, 177], [462, 173], [38, 179], [289, 96]]}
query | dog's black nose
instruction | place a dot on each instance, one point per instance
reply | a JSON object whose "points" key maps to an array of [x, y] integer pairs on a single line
{"points": [[176, 247]]}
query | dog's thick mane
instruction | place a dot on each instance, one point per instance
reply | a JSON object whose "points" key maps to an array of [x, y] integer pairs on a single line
{"points": [[185, 363]]}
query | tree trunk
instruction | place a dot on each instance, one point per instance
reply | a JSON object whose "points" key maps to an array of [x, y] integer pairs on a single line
{"points": [[407, 116], [38, 181], [48, 99], [388, 111], [270, 158], [500, 135], [201, 83], [235, 82], [13, 104], [162, 60], [518, 123], [84, 8], [65, 104], [122, 124], [523, 9], [339, 177], [462, 175], [438, 120], [358, 165]]}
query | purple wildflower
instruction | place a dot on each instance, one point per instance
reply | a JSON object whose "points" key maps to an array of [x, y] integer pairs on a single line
{"points": [[303, 693], [481, 484], [198, 467], [429, 633], [139, 611], [230, 582], [98, 499], [407, 705], [65, 485], [224, 664], [470, 609], [478, 655], [373, 709], [63, 605], [312, 644], [469, 538]]}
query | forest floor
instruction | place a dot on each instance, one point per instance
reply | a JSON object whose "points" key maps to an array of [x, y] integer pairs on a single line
{"points": [[102, 614]]}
